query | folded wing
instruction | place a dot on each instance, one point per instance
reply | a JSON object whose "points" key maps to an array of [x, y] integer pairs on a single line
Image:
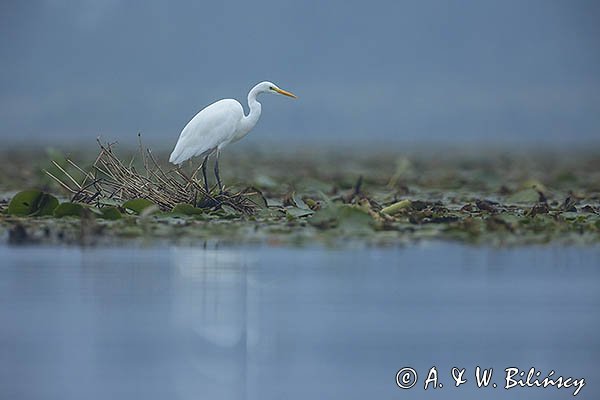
{"points": [[214, 125]]}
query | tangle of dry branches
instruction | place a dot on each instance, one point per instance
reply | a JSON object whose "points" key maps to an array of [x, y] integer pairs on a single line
{"points": [[111, 181]]}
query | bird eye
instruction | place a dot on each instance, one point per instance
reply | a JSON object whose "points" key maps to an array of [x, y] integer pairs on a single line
{"points": [[271, 87]]}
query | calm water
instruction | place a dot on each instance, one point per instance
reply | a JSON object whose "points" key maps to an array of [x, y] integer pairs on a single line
{"points": [[268, 323]]}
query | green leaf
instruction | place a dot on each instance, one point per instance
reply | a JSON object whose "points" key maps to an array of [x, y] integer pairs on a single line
{"points": [[68, 210], [32, 203], [397, 207], [138, 205], [270, 213], [354, 218], [325, 218], [187, 209], [299, 202], [569, 215], [296, 212], [228, 211], [345, 216], [274, 203], [525, 196], [110, 213]]}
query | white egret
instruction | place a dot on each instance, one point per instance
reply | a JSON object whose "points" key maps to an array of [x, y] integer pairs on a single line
{"points": [[217, 125]]}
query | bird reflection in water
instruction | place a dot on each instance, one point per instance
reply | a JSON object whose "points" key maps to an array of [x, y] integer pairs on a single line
{"points": [[216, 305]]}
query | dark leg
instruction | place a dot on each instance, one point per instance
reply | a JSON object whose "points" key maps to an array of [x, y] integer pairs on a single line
{"points": [[204, 174], [217, 171]]}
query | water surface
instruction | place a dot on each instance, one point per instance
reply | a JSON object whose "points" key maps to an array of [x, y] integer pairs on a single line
{"points": [[271, 323]]}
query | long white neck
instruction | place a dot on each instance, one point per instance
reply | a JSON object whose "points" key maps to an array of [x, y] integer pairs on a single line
{"points": [[255, 109]]}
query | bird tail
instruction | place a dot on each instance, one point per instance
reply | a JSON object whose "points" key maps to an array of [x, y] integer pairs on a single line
{"points": [[173, 158], [177, 156], [181, 153]]}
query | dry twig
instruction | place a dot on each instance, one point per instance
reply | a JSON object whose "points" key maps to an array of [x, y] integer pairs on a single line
{"points": [[110, 181]]}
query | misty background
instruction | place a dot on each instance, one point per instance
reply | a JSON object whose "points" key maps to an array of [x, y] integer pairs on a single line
{"points": [[370, 71]]}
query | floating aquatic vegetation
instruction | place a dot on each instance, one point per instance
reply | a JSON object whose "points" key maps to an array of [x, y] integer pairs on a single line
{"points": [[307, 199], [31, 203]]}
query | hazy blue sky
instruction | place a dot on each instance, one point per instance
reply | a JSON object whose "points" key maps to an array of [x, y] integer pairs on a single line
{"points": [[378, 70]]}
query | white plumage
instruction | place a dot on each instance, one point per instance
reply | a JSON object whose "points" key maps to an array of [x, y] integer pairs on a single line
{"points": [[219, 124], [215, 125]]}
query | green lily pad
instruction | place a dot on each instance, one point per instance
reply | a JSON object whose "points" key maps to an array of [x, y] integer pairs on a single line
{"points": [[228, 212], [345, 216], [299, 202], [525, 196], [110, 213], [325, 218], [32, 203], [68, 210], [138, 205], [187, 209], [354, 218], [569, 215], [270, 213], [296, 212]]}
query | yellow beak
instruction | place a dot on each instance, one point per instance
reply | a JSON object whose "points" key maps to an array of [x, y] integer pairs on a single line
{"points": [[286, 93]]}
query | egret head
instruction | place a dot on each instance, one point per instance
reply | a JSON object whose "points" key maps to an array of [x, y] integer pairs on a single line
{"points": [[270, 87]]}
